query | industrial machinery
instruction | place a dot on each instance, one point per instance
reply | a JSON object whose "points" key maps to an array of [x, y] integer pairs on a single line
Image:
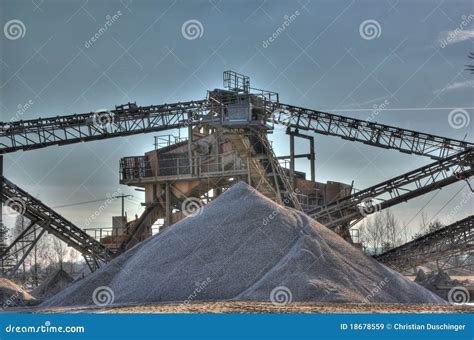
{"points": [[227, 140]]}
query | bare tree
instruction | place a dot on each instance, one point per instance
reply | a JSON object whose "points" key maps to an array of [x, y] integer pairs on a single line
{"points": [[391, 237], [19, 227], [60, 252], [380, 232], [371, 234], [428, 227]]}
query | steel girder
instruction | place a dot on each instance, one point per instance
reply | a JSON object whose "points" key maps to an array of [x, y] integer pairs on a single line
{"points": [[123, 121], [53, 223], [396, 190], [454, 239], [357, 130]]}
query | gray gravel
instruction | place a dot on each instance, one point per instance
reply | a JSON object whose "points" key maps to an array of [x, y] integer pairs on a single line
{"points": [[243, 246], [56, 282]]}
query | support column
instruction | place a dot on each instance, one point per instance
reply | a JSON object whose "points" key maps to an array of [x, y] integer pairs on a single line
{"points": [[292, 160], [167, 205], [312, 159], [190, 143]]}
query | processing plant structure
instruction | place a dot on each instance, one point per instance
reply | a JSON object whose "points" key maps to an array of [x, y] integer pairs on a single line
{"points": [[226, 142]]}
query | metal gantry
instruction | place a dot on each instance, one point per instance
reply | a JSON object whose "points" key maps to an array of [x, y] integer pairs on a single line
{"points": [[125, 120], [370, 133], [350, 209], [454, 239], [42, 218], [130, 119]]}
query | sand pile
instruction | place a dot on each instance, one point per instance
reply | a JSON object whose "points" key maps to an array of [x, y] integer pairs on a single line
{"points": [[243, 246], [12, 295], [53, 284]]}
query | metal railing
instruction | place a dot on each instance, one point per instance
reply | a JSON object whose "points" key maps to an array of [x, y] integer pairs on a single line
{"points": [[133, 168]]}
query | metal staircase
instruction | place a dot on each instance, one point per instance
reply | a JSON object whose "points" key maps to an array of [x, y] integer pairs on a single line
{"points": [[279, 174], [257, 174]]}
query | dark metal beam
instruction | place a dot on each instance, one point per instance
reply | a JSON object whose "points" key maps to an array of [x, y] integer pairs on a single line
{"points": [[60, 227], [396, 190], [454, 239], [123, 121], [384, 136]]}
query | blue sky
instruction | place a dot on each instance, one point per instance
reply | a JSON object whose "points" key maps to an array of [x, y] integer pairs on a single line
{"points": [[322, 59]]}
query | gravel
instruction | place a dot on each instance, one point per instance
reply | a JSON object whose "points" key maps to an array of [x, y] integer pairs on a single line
{"points": [[242, 246], [53, 284], [12, 294]]}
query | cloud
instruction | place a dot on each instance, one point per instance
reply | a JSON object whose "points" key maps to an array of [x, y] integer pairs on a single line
{"points": [[456, 86], [452, 37]]}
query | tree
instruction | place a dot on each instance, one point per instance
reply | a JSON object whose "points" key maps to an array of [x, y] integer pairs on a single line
{"points": [[60, 252], [380, 232], [20, 225], [4, 245], [428, 227]]}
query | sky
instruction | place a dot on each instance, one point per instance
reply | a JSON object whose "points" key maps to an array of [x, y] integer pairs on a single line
{"points": [[345, 57]]}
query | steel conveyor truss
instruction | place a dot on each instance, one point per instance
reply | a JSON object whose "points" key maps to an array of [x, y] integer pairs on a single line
{"points": [[42, 218], [125, 120], [351, 209], [357, 130], [454, 239], [130, 119]]}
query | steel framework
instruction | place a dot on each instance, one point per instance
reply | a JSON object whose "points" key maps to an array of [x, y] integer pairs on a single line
{"points": [[130, 119], [47, 219], [454, 239], [350, 209], [125, 120], [357, 130]]}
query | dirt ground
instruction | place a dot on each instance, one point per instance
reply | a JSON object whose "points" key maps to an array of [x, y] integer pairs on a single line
{"points": [[259, 307]]}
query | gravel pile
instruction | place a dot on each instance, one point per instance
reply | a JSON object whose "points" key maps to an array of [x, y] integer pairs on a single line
{"points": [[440, 283], [53, 284], [12, 294], [243, 246]]}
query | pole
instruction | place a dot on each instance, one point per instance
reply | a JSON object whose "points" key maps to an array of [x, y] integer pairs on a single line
{"points": [[123, 202]]}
